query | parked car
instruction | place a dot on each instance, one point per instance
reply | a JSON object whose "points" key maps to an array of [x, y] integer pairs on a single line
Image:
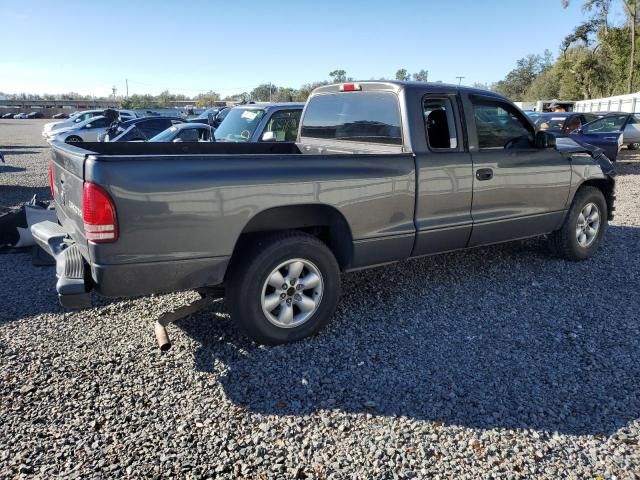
{"points": [[380, 172], [87, 131], [50, 130], [562, 123], [20, 115], [60, 115], [212, 116], [8, 115], [139, 129], [611, 133], [35, 115], [272, 122], [186, 132]]}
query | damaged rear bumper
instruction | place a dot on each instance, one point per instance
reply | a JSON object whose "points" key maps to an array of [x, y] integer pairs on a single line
{"points": [[74, 283]]}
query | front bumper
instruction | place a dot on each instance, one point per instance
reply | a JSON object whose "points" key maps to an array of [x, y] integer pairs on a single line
{"points": [[74, 283]]}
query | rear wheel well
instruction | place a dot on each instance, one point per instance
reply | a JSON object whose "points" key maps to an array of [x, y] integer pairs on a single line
{"points": [[606, 186], [322, 221]]}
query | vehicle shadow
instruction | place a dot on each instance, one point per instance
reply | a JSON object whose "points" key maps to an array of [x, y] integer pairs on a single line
{"points": [[17, 194], [4, 168], [36, 294], [498, 337], [11, 153], [15, 147]]}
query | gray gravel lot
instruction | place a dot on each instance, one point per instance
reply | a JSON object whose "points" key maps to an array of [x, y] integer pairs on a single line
{"points": [[500, 362]]}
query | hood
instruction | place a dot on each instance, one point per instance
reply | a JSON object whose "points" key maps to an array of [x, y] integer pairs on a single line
{"points": [[570, 145]]}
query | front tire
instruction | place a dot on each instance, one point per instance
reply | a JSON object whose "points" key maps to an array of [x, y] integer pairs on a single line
{"points": [[583, 228], [283, 288], [73, 139], [634, 146]]}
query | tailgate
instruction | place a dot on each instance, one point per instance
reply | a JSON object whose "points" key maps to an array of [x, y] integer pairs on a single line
{"points": [[68, 179]]}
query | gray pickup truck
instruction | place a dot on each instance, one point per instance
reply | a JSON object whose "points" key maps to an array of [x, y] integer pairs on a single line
{"points": [[380, 172]]}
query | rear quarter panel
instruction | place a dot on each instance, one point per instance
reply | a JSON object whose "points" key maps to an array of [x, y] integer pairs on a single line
{"points": [[194, 206]]}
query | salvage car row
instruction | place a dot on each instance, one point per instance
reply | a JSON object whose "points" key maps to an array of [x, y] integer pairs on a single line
{"points": [[255, 122], [607, 130]]}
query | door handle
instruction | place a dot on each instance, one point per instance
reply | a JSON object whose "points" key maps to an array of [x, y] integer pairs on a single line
{"points": [[484, 174]]}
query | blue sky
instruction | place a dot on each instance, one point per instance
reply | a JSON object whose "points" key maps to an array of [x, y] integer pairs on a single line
{"points": [[231, 46]]}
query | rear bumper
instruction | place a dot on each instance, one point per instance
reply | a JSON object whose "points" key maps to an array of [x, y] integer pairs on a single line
{"points": [[76, 278], [73, 284]]}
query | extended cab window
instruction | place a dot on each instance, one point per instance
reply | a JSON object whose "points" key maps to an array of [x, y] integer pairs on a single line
{"points": [[501, 126], [440, 124], [372, 117]]}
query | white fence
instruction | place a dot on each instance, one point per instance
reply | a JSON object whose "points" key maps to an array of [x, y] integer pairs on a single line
{"points": [[621, 103]]}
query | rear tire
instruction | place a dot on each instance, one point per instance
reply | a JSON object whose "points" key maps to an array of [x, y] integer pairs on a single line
{"points": [[583, 228], [258, 302], [73, 139]]}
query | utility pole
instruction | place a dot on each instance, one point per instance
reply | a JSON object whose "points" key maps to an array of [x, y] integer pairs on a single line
{"points": [[459, 80], [269, 92], [126, 82]]}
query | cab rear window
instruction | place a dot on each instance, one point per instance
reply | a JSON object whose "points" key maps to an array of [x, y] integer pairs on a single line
{"points": [[370, 117]]}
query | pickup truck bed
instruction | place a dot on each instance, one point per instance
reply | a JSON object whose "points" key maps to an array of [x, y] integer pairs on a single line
{"points": [[382, 171]]}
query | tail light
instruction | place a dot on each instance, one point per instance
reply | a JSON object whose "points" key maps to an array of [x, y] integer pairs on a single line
{"points": [[53, 192], [98, 214]]}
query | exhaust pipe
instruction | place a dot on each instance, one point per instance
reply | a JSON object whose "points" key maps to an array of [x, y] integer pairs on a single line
{"points": [[160, 327], [162, 336]]}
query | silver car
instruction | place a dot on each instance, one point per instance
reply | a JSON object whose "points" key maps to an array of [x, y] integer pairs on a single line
{"points": [[87, 131], [52, 129]]}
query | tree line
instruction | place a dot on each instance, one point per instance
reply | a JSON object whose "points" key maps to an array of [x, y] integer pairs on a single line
{"points": [[598, 58]]}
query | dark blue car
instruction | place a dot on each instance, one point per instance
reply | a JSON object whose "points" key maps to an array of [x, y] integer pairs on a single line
{"points": [[607, 133]]}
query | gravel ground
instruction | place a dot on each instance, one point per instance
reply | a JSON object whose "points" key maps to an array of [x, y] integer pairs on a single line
{"points": [[500, 362]]}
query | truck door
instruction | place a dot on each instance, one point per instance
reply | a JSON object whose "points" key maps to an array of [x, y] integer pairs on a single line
{"points": [[518, 190], [444, 176]]}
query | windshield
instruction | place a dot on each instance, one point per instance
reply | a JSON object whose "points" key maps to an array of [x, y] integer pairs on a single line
{"points": [[612, 123], [165, 136], [239, 125], [205, 114], [551, 123]]}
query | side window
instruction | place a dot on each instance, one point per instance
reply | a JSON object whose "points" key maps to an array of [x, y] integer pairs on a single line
{"points": [[154, 126], [610, 123], [501, 126], [189, 135], [440, 124], [573, 123], [99, 123], [285, 125]]}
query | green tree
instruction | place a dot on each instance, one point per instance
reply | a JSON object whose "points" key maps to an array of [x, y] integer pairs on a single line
{"points": [[305, 90], [338, 76], [402, 74], [263, 92], [421, 76], [206, 99], [600, 10], [518, 80]]}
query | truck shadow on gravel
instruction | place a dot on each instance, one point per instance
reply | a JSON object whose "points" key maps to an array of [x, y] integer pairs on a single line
{"points": [[499, 337]]}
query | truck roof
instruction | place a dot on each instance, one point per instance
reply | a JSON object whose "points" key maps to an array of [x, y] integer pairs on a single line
{"points": [[398, 85]]}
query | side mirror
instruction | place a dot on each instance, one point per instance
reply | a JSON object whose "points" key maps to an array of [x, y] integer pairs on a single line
{"points": [[269, 137], [545, 140], [211, 119]]}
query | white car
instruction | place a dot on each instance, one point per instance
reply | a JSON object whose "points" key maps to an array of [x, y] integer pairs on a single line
{"points": [[87, 131], [20, 115], [54, 128]]}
